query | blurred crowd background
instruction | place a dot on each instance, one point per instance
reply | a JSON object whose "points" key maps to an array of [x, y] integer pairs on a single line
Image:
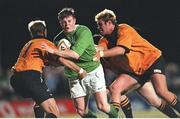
{"points": [[157, 20]]}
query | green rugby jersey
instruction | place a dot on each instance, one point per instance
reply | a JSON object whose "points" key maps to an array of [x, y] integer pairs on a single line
{"points": [[82, 43]]}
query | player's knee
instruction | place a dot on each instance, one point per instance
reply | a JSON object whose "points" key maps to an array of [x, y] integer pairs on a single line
{"points": [[162, 92]]}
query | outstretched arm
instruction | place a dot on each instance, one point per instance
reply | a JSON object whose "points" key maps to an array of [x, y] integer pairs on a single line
{"points": [[115, 51], [57, 61], [66, 53]]}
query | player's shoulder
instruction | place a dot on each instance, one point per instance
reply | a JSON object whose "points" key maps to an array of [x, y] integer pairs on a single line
{"points": [[125, 28], [82, 28]]}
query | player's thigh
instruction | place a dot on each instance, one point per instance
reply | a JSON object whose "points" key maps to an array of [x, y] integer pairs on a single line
{"points": [[39, 90], [123, 82], [159, 82]]}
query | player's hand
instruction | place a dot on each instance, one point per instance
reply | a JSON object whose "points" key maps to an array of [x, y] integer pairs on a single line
{"points": [[47, 48], [82, 74], [97, 57], [37, 53]]}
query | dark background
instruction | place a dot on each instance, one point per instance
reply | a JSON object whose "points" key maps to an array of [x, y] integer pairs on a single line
{"points": [[157, 20]]}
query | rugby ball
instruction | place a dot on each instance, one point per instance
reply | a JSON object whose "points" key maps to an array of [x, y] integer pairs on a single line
{"points": [[64, 44]]}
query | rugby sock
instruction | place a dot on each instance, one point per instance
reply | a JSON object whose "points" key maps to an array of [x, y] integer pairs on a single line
{"points": [[50, 115], [126, 108], [167, 110], [90, 114], [175, 104], [38, 111], [116, 105], [113, 113]]}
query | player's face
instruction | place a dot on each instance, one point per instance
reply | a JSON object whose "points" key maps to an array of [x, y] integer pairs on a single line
{"points": [[105, 28], [68, 24]]}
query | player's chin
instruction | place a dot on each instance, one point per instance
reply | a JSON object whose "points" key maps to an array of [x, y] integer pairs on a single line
{"points": [[67, 30]]}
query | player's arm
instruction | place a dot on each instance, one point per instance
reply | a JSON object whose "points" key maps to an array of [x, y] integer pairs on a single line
{"points": [[82, 73], [55, 60], [115, 51], [66, 53], [103, 51]]}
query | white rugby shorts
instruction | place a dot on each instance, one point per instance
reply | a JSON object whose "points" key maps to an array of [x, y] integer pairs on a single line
{"points": [[94, 82]]}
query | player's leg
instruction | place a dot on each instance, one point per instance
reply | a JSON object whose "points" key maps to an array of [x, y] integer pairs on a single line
{"points": [[32, 85], [104, 106], [160, 85], [80, 96], [126, 106], [50, 108], [122, 84], [125, 102], [96, 84], [42, 95], [148, 92], [80, 105]]}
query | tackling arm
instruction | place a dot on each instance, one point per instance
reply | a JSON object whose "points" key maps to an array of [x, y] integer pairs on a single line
{"points": [[115, 51], [66, 53], [82, 73]]}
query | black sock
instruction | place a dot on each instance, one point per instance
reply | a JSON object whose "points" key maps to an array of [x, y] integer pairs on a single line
{"points": [[167, 110], [126, 108], [50, 115], [175, 104], [38, 111]]}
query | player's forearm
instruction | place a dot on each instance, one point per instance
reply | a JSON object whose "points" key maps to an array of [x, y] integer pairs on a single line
{"points": [[70, 54], [70, 64], [98, 48], [112, 52]]}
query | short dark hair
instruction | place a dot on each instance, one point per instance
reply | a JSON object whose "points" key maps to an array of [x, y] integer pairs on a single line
{"points": [[37, 27], [66, 12]]}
